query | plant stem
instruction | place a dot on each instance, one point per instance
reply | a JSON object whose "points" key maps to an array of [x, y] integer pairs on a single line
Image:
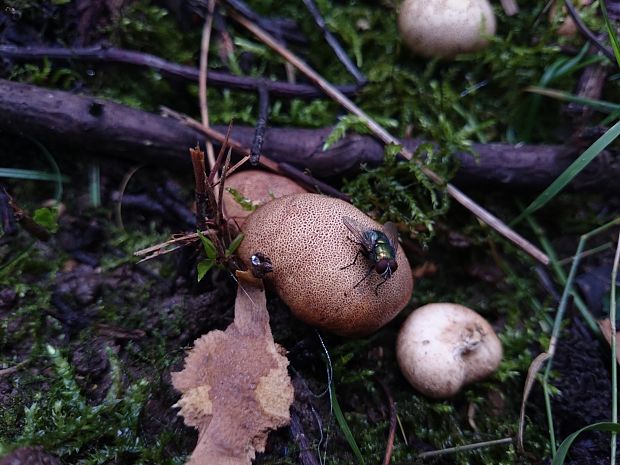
{"points": [[478, 445], [555, 334], [560, 274], [614, 358]]}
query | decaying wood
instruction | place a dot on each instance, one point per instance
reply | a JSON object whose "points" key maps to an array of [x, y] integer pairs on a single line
{"points": [[89, 125]]}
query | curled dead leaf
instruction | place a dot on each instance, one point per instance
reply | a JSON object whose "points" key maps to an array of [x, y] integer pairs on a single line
{"points": [[235, 385]]}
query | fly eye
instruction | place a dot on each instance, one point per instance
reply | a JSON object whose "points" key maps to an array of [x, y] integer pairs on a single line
{"points": [[381, 266], [393, 265]]}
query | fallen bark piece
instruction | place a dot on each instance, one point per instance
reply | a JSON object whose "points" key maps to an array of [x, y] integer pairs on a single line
{"points": [[235, 385]]}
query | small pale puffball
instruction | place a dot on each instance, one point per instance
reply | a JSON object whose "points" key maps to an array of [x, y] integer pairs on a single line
{"points": [[445, 28], [443, 346]]}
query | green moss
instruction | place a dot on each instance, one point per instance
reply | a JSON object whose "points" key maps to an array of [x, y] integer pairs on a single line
{"points": [[66, 424], [399, 191]]}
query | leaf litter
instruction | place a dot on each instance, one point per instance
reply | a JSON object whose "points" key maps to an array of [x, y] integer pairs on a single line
{"points": [[235, 384]]}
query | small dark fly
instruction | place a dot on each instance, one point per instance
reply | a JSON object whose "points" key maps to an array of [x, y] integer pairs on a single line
{"points": [[261, 265], [378, 246]]}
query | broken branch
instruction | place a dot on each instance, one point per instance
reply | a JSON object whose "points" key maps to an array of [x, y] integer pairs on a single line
{"points": [[64, 120], [104, 55]]}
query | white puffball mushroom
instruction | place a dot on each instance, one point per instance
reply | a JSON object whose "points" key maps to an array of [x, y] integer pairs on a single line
{"points": [[443, 346], [444, 28]]}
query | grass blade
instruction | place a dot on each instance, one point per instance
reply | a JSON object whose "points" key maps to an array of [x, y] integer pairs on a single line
{"points": [[599, 105], [55, 168], [613, 38], [32, 175], [614, 356], [94, 184], [344, 426], [573, 170], [562, 452]]}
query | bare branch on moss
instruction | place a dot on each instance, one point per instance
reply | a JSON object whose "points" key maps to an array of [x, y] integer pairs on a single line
{"points": [[104, 55]]}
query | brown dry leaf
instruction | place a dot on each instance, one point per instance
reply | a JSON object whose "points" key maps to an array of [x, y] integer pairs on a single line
{"points": [[235, 385], [605, 326]]}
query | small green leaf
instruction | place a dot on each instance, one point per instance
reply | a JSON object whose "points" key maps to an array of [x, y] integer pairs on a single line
{"points": [[244, 202], [204, 266], [391, 150], [47, 217], [208, 245], [234, 245]]}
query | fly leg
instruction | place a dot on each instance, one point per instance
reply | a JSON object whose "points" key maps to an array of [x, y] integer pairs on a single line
{"points": [[387, 275], [360, 251], [370, 270], [385, 278]]}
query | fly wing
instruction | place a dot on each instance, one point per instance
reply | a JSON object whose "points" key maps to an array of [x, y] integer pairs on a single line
{"points": [[390, 230], [358, 230]]}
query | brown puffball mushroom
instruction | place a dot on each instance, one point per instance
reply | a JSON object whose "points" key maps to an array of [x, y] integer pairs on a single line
{"points": [[308, 244], [442, 347], [445, 28], [258, 187]]}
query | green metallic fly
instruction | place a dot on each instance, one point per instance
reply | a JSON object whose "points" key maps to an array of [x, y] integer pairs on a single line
{"points": [[379, 247]]}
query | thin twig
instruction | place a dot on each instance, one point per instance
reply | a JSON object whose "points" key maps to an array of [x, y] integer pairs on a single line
{"points": [[306, 457], [202, 79], [547, 282], [220, 157], [387, 138], [280, 168], [218, 136], [261, 125], [392, 434], [587, 253], [161, 248], [290, 33], [10, 370], [100, 54], [119, 204], [334, 44], [452, 450], [587, 33], [614, 360], [310, 182], [200, 189], [220, 204]]}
